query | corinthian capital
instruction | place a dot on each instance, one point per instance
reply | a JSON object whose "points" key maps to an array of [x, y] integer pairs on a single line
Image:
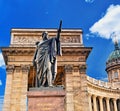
{"points": [[10, 69], [25, 68], [68, 68]]}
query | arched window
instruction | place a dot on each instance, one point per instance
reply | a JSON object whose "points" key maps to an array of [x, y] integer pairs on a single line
{"points": [[115, 74]]}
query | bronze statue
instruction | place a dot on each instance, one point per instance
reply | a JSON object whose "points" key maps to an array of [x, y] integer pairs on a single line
{"points": [[45, 59]]}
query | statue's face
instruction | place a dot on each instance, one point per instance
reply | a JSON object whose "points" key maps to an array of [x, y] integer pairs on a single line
{"points": [[45, 35]]}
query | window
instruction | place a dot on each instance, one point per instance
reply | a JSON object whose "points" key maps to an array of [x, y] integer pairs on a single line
{"points": [[115, 74]]}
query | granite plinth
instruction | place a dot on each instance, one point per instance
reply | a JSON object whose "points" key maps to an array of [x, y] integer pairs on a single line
{"points": [[46, 99]]}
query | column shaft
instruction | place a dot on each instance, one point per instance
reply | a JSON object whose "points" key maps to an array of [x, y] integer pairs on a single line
{"points": [[90, 105], [94, 103], [69, 87], [101, 103], [108, 104], [115, 105]]}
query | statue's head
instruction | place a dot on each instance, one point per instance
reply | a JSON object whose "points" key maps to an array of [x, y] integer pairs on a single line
{"points": [[45, 35]]}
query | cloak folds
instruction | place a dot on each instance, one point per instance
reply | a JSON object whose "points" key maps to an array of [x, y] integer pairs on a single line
{"points": [[45, 58]]}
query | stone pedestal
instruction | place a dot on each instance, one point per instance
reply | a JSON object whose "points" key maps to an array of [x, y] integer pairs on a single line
{"points": [[46, 99]]}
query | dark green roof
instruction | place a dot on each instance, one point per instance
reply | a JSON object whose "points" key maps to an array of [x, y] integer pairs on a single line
{"points": [[115, 54]]}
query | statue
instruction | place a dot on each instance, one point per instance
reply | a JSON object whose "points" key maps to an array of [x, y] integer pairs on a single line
{"points": [[45, 59]]}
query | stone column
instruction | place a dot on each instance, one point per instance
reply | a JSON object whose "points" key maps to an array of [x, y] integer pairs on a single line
{"points": [[108, 104], [25, 72], [94, 103], [115, 105], [90, 104], [8, 89], [69, 87], [101, 103]]}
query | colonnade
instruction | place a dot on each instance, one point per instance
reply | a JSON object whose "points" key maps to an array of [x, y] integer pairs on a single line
{"points": [[99, 103]]}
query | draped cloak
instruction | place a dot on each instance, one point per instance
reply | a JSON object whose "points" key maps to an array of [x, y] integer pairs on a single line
{"points": [[46, 54]]}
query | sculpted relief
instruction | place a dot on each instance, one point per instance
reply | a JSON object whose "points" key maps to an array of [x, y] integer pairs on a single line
{"points": [[30, 39]]}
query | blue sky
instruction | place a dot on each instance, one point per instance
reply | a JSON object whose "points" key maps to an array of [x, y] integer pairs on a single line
{"points": [[99, 20]]}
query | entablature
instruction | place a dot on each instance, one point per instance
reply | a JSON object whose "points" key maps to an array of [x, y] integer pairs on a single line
{"points": [[69, 54]]}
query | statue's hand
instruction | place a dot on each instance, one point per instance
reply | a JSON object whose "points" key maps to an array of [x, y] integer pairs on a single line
{"points": [[59, 30]]}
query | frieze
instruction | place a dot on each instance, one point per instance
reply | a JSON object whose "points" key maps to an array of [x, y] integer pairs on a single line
{"points": [[25, 39], [11, 58], [70, 39], [32, 39]]}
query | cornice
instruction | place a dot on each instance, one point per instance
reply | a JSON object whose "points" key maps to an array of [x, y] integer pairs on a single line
{"points": [[30, 50], [30, 30], [80, 51], [18, 50], [113, 65]]}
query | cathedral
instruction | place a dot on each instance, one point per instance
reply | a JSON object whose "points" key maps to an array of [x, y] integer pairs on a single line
{"points": [[79, 93]]}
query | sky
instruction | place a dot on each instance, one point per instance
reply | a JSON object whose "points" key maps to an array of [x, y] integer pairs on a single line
{"points": [[99, 20]]}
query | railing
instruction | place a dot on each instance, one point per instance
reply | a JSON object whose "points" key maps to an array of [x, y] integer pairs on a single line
{"points": [[104, 84]]}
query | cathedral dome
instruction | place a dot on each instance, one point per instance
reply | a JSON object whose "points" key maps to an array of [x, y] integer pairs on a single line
{"points": [[113, 65], [115, 55]]}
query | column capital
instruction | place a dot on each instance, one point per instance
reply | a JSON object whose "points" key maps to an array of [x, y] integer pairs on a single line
{"points": [[114, 99], [25, 68], [89, 94], [94, 96], [100, 97], [82, 68], [10, 69], [76, 68], [68, 68], [107, 99]]}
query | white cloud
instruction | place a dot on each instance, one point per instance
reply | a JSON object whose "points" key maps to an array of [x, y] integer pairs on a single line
{"points": [[89, 1], [0, 82], [108, 26], [2, 63]]}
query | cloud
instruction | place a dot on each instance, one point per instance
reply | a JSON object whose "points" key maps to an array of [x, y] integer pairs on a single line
{"points": [[2, 63], [89, 1], [108, 26], [0, 82]]}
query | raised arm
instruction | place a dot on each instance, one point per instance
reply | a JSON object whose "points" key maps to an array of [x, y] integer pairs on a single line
{"points": [[59, 31]]}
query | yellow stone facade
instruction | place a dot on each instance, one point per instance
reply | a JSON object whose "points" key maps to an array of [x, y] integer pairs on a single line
{"points": [[83, 93]]}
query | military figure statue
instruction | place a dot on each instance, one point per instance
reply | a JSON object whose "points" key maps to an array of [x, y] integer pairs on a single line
{"points": [[45, 59]]}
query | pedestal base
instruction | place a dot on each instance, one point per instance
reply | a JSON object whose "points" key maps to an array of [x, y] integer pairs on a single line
{"points": [[46, 99]]}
